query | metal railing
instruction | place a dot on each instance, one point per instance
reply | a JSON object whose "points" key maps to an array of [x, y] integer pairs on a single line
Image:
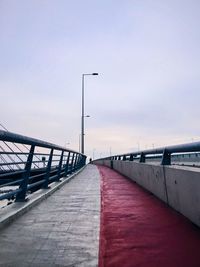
{"points": [[23, 171], [164, 154]]}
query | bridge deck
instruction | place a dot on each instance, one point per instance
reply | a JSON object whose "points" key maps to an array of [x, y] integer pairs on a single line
{"points": [[63, 230], [137, 229]]}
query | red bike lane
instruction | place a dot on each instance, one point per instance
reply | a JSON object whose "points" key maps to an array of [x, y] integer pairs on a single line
{"points": [[139, 230]]}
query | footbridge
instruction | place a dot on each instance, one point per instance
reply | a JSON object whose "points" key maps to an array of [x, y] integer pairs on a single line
{"points": [[136, 209]]}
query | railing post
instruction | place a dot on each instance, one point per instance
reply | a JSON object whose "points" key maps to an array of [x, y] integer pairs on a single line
{"points": [[111, 164], [166, 158], [74, 165], [124, 158], [142, 158], [131, 157], [72, 162], [82, 161], [78, 162], [60, 166], [67, 164], [46, 183], [24, 184]]}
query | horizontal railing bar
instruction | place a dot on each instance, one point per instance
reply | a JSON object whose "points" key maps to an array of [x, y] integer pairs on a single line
{"points": [[10, 194], [30, 186], [11, 183], [24, 162], [20, 139], [174, 156], [39, 161], [171, 150], [11, 173], [13, 153], [52, 177], [54, 170], [44, 154], [61, 174], [183, 148], [13, 163], [35, 154], [36, 176]]}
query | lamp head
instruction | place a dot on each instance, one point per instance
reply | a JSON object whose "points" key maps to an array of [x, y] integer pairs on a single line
{"points": [[95, 73]]}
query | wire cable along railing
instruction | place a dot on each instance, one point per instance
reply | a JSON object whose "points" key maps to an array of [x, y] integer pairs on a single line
{"points": [[24, 170]]}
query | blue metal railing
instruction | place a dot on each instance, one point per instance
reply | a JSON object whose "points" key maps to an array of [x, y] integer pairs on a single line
{"points": [[164, 154], [24, 170]]}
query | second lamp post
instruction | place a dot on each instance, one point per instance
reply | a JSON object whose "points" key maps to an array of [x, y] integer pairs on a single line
{"points": [[83, 111]]}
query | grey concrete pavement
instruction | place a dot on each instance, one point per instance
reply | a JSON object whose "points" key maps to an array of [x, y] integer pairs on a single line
{"points": [[63, 230]]}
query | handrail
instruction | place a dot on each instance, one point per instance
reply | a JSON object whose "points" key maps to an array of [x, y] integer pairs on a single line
{"points": [[21, 139], [164, 152], [54, 165]]}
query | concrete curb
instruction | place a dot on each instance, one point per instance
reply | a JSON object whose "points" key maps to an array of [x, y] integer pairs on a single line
{"points": [[16, 209]]}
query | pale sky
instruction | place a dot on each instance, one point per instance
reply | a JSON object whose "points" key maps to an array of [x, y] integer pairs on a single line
{"points": [[147, 54]]}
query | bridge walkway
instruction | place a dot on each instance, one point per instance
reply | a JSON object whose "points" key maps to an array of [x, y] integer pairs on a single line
{"points": [[136, 228], [63, 230]]}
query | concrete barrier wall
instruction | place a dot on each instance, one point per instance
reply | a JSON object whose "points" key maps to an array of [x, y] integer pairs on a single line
{"points": [[107, 163], [150, 177], [179, 187], [183, 189]]}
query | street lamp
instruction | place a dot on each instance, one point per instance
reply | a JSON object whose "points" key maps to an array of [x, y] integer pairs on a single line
{"points": [[79, 137], [83, 116]]}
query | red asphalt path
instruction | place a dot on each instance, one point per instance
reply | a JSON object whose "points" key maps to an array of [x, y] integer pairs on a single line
{"points": [[138, 230]]}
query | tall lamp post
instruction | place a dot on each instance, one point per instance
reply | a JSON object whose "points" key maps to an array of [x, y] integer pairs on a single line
{"points": [[83, 116]]}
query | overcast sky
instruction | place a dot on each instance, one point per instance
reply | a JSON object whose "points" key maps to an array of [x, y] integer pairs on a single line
{"points": [[147, 54]]}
